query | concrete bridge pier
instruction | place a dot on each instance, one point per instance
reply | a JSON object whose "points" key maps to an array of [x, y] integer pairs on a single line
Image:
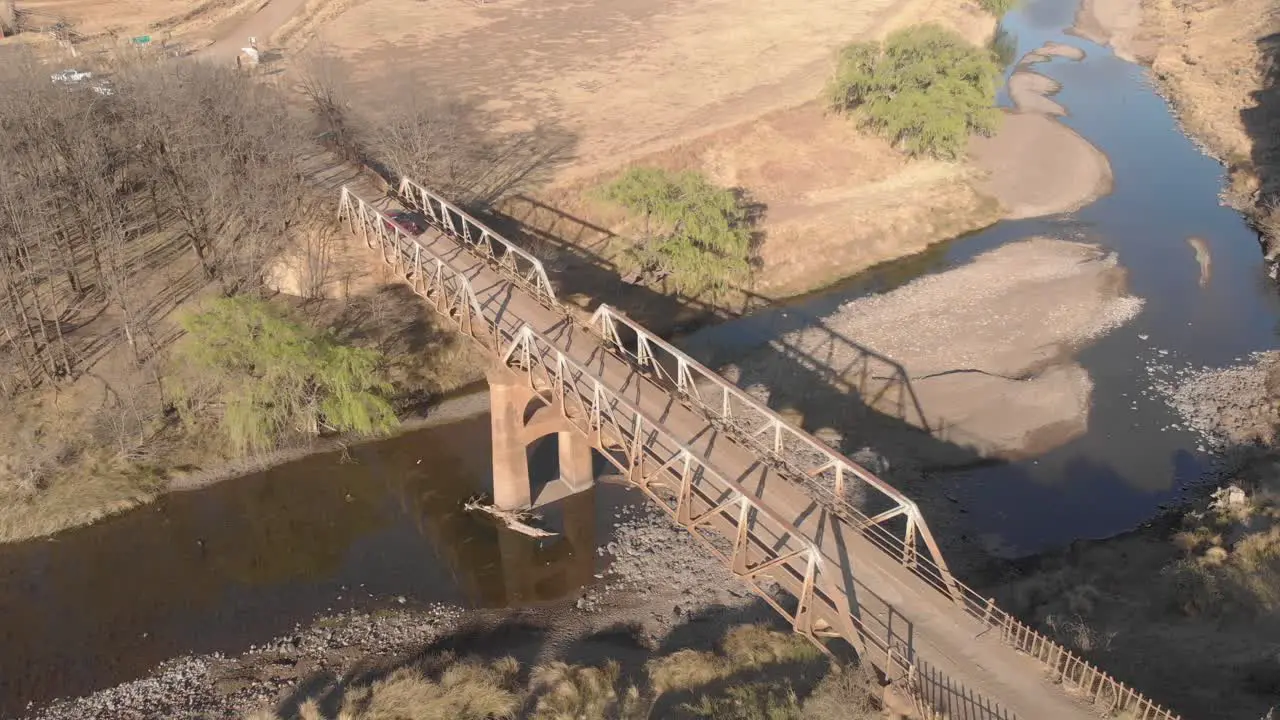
{"points": [[518, 418]]}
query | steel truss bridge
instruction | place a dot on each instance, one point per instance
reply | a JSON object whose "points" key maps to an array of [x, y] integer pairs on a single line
{"points": [[838, 552]]}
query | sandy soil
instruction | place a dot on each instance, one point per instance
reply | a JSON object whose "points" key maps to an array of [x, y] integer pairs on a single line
{"points": [[1030, 93], [1211, 63], [163, 19], [588, 68], [986, 348], [835, 201], [1035, 164], [1118, 23], [725, 87]]}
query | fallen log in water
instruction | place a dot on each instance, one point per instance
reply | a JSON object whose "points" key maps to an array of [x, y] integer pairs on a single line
{"points": [[512, 519]]}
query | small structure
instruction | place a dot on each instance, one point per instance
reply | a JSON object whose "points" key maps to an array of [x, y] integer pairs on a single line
{"points": [[248, 56]]}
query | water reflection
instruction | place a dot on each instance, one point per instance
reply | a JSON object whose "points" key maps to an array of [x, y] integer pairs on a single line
{"points": [[243, 561], [1130, 461]]}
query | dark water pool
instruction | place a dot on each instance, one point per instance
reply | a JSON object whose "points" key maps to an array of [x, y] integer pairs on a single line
{"points": [[1116, 475], [240, 562]]}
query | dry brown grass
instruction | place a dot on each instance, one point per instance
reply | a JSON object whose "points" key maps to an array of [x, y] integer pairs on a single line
{"points": [[571, 692], [843, 695], [755, 659], [1189, 611], [748, 647], [1231, 562]]}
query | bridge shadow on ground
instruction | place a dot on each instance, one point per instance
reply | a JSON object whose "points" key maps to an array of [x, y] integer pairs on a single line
{"points": [[530, 638], [842, 392]]}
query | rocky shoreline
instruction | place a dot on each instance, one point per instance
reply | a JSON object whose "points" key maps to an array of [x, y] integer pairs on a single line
{"points": [[658, 578]]}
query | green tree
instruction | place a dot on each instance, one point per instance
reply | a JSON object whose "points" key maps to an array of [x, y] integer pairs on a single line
{"points": [[998, 7], [925, 89], [696, 233], [274, 377]]}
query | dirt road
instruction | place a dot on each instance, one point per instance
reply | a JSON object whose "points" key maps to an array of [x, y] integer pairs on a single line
{"points": [[261, 24]]}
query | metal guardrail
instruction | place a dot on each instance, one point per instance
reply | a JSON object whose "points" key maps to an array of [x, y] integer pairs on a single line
{"points": [[688, 487], [828, 474], [431, 277], [520, 266]]}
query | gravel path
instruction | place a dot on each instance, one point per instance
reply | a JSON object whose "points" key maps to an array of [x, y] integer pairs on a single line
{"points": [[658, 580]]}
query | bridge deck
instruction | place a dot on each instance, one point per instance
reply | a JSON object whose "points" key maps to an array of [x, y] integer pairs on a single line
{"points": [[885, 595]]}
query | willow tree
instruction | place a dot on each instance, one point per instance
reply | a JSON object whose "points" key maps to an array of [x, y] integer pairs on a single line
{"points": [[273, 377], [697, 234]]}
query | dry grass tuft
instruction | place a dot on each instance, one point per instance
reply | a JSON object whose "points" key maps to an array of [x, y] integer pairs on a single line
{"points": [[745, 648], [752, 646], [685, 670], [844, 694], [83, 491], [571, 692], [1231, 560], [466, 691]]}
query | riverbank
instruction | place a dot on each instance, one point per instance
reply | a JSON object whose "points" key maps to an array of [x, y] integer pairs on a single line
{"points": [[1184, 607], [69, 457], [983, 354], [662, 591], [1214, 63]]}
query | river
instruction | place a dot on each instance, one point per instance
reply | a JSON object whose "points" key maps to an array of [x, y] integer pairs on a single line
{"points": [[1131, 460], [237, 563], [243, 561]]}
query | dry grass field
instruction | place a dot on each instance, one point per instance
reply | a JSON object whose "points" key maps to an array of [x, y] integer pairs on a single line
{"points": [[726, 87]]}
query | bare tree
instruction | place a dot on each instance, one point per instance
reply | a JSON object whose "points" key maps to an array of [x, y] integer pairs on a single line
{"points": [[90, 178], [8, 17], [450, 145], [325, 82], [227, 170]]}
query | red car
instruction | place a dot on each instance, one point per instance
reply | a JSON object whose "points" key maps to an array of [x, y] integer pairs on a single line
{"points": [[408, 222]]}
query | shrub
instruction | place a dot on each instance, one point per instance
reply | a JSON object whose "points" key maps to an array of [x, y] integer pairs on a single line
{"points": [[925, 89], [757, 701], [572, 692], [273, 376], [844, 694], [696, 233], [998, 7]]}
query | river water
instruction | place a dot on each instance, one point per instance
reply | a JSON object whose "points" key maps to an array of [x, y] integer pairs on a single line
{"points": [[1130, 461], [243, 561]]}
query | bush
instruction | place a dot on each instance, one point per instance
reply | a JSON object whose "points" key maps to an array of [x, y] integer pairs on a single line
{"points": [[757, 701], [273, 376], [696, 233], [925, 89], [998, 7], [844, 694]]}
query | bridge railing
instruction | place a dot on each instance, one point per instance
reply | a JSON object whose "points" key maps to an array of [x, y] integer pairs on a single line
{"points": [[753, 539], [833, 479], [430, 276], [827, 474], [519, 265], [836, 481]]}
